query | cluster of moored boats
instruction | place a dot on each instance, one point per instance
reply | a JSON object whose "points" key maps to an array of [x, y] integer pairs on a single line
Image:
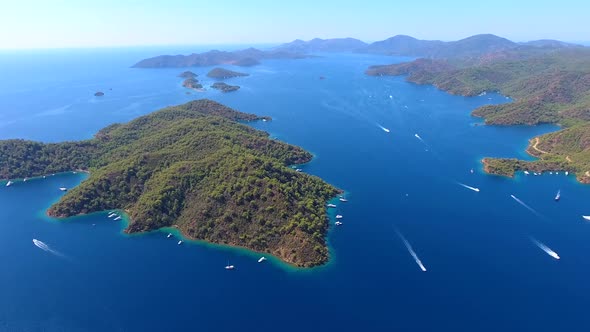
{"points": [[112, 214], [541, 173]]}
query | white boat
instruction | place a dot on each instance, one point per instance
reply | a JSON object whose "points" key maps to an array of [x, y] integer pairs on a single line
{"points": [[556, 173], [386, 130], [390, 97], [169, 235], [63, 189], [338, 223], [118, 218], [567, 173], [229, 267], [586, 217], [338, 216], [9, 183], [526, 173], [551, 173], [180, 242], [558, 196], [112, 215], [262, 259], [471, 171], [299, 170], [25, 180], [342, 199], [331, 205]]}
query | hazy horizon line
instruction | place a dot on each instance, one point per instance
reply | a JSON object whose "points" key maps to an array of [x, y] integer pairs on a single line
{"points": [[267, 43]]}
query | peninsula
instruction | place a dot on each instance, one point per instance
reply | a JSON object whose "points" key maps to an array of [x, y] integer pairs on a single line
{"points": [[547, 81], [194, 167], [245, 58]]}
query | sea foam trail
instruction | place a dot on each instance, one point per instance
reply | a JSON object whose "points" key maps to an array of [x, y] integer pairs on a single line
{"points": [[43, 246], [411, 251], [383, 128], [468, 187], [527, 207], [543, 247]]}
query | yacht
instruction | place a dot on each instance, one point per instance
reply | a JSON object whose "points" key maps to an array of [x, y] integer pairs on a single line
{"points": [[586, 217], [169, 235], [63, 189], [262, 259], [299, 170], [331, 205], [526, 173], [567, 173], [112, 215], [558, 196], [342, 199], [118, 218], [471, 171], [229, 267], [9, 183], [180, 242], [25, 180], [338, 216], [338, 223]]}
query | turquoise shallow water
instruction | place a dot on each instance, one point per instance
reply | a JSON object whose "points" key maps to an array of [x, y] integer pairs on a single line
{"points": [[483, 271]]}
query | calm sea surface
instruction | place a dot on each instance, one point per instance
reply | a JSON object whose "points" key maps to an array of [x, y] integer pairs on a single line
{"points": [[484, 270]]}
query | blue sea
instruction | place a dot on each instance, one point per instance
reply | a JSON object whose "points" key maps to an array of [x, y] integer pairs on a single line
{"points": [[485, 267]]}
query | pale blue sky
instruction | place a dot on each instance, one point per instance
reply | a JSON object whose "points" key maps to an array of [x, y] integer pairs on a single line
{"points": [[91, 23]]}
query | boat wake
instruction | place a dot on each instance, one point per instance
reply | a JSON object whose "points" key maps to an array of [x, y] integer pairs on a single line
{"points": [[411, 251], [43, 246], [527, 207], [543, 247], [468, 187], [383, 128]]}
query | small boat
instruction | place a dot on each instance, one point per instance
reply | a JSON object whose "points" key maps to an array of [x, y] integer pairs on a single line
{"points": [[299, 170], [526, 173], [556, 173], [180, 242], [390, 97], [338, 223], [63, 189], [567, 173], [558, 196], [118, 218], [342, 199], [44, 177], [586, 217], [471, 171], [338, 216], [25, 180], [169, 235], [262, 259], [551, 173], [229, 267], [386, 130], [9, 183], [111, 212], [331, 205], [112, 215]]}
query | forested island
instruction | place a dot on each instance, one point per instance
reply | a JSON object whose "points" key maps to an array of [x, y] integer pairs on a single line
{"points": [[222, 73], [547, 84], [224, 87], [194, 167]]}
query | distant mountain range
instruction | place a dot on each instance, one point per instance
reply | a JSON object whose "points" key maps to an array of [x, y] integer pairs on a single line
{"points": [[400, 45]]}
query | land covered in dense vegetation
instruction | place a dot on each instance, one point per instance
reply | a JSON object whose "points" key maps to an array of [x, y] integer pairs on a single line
{"points": [[222, 73], [547, 84], [224, 87], [194, 167]]}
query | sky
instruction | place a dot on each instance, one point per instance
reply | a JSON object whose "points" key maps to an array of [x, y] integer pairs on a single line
{"points": [[26, 24]]}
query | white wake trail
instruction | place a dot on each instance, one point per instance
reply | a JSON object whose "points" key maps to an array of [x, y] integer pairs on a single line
{"points": [[468, 187], [43, 246], [411, 251], [543, 247], [383, 128], [526, 206]]}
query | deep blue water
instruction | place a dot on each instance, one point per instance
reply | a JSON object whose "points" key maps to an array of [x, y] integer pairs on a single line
{"points": [[483, 271]]}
